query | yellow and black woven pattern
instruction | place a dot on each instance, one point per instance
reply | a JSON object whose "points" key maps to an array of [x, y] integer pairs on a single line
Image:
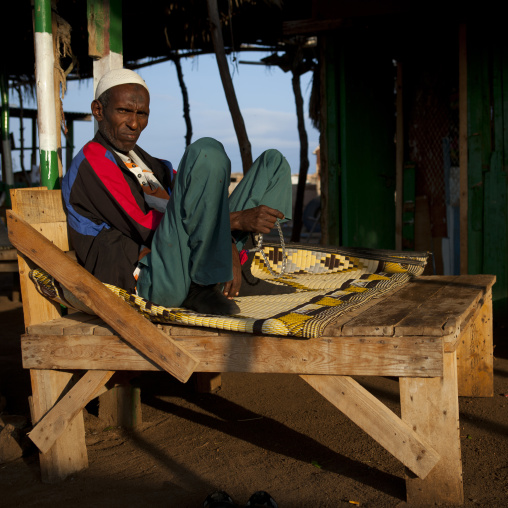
{"points": [[329, 282]]}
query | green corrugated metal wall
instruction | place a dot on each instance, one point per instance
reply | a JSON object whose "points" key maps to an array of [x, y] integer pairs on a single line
{"points": [[363, 78], [487, 60]]}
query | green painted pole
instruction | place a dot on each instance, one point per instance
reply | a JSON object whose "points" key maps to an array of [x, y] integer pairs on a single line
{"points": [[46, 109], [6, 145]]}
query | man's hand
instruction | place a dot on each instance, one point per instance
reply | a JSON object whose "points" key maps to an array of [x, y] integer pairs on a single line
{"points": [[255, 220], [232, 287]]}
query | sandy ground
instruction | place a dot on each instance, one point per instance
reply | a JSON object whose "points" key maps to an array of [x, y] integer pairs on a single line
{"points": [[259, 432]]}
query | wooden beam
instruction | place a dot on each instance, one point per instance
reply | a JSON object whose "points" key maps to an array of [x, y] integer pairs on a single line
{"points": [[475, 358], [68, 454], [361, 356], [120, 406], [431, 408], [382, 424], [227, 83], [129, 324], [58, 418]]}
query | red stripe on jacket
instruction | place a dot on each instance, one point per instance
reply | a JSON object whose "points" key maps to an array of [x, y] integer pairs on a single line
{"points": [[114, 180]]}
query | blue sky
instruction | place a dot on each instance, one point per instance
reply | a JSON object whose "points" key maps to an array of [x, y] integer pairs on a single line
{"points": [[265, 96]]}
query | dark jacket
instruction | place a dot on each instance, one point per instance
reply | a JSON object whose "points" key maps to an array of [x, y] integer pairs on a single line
{"points": [[108, 217]]}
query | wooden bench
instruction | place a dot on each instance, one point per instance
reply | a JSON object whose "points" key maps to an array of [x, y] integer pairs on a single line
{"points": [[434, 334]]}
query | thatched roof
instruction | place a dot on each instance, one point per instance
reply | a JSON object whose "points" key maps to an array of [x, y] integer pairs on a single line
{"points": [[152, 29]]}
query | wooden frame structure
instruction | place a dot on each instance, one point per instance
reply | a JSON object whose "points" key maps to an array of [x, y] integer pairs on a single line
{"points": [[434, 334]]}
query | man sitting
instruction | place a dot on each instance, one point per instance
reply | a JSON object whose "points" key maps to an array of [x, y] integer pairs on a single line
{"points": [[172, 237]]}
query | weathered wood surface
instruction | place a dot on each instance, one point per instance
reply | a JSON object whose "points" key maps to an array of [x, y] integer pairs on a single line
{"points": [[383, 318], [44, 209], [130, 325], [8, 266], [39, 205], [475, 359], [448, 308], [68, 455], [8, 255], [376, 356], [54, 423], [430, 305], [377, 421], [431, 407]]}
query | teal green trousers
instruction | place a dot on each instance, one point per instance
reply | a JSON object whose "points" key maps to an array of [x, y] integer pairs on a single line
{"points": [[193, 240]]}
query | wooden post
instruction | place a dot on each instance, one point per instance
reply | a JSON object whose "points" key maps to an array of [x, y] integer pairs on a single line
{"points": [[430, 406], [227, 83], [396, 436], [104, 37], [463, 159], [68, 455], [475, 357], [121, 406], [54, 423]]}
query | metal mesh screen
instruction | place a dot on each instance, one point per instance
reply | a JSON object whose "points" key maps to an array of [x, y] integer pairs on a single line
{"points": [[431, 114]]}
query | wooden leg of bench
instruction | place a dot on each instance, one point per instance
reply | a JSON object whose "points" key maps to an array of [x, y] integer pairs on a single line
{"points": [[430, 406], [121, 406], [207, 382], [475, 354], [68, 454]]}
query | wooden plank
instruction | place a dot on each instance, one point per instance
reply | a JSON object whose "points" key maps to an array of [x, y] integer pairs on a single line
{"points": [[131, 326], [38, 205], [475, 359], [431, 407], [336, 328], [8, 255], [58, 418], [68, 455], [41, 206], [180, 330], [444, 312], [75, 324], [382, 319], [376, 356], [101, 328], [56, 232], [379, 422], [36, 308], [8, 266]]}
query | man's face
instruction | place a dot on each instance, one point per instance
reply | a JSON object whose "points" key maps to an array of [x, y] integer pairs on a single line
{"points": [[125, 115]]}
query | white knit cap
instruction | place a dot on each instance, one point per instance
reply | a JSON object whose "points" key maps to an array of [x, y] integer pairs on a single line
{"points": [[117, 77]]}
